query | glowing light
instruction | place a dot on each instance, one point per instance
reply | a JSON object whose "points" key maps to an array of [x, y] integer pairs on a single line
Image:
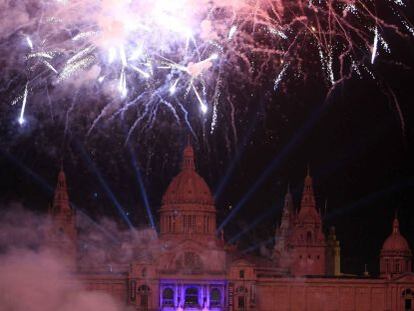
{"points": [[280, 77], [111, 55], [122, 88], [40, 54], [232, 31], [29, 42], [173, 87], [23, 109], [146, 75], [136, 54], [278, 32], [203, 106], [123, 56], [375, 46]]}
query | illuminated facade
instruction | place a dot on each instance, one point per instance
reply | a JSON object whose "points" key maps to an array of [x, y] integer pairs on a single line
{"points": [[187, 267]]}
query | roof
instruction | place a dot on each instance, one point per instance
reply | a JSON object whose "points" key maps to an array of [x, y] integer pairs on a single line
{"points": [[188, 186], [396, 244]]}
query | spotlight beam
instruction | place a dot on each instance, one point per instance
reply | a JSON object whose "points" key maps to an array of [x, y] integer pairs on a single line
{"points": [[275, 163], [50, 190], [328, 169], [372, 197], [104, 185], [239, 152], [142, 190], [257, 245]]}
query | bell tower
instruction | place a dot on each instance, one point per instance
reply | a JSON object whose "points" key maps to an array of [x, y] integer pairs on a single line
{"points": [[308, 241], [333, 254], [283, 233], [63, 235]]}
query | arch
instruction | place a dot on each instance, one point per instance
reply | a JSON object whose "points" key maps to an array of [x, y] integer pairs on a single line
{"points": [[241, 274], [309, 237], [191, 297], [241, 302], [168, 297], [143, 293], [241, 293], [192, 262], [215, 297], [407, 293], [144, 289], [408, 296]]}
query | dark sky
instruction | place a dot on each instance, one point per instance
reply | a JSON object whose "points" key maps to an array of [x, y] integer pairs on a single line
{"points": [[358, 149]]}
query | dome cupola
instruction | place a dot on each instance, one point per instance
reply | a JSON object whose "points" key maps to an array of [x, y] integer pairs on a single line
{"points": [[188, 205], [188, 187], [396, 254]]}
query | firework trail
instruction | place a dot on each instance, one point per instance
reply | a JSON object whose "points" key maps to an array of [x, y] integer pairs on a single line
{"points": [[137, 55]]}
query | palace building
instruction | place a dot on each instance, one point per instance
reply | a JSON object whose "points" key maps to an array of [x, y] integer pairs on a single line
{"points": [[187, 266]]}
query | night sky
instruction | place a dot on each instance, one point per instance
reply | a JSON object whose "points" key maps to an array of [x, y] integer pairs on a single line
{"points": [[358, 149]]}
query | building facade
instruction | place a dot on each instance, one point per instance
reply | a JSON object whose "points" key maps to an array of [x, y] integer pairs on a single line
{"points": [[188, 267]]}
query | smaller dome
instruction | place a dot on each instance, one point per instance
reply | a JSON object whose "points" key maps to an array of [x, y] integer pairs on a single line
{"points": [[396, 243]]}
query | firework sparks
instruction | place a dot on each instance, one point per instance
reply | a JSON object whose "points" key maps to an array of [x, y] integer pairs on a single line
{"points": [[22, 110], [280, 77], [375, 46], [191, 50]]}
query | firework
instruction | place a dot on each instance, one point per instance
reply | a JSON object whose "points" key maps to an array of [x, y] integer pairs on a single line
{"points": [[143, 54]]}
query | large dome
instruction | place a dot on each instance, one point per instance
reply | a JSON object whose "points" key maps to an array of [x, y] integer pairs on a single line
{"points": [[396, 243], [188, 187]]}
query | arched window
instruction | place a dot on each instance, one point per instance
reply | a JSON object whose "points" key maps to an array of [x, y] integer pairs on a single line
{"points": [[215, 297], [168, 297], [144, 272], [132, 289], [408, 296], [241, 302], [191, 297], [241, 274], [143, 293], [309, 237]]}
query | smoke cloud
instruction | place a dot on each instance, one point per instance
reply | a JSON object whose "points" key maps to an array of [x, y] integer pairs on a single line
{"points": [[33, 277]]}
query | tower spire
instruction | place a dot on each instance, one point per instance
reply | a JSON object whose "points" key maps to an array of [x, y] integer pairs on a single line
{"points": [[396, 225], [61, 198], [308, 197], [288, 207], [308, 209], [63, 233], [188, 157]]}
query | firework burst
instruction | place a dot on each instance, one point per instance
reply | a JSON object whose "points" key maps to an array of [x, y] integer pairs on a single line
{"points": [[144, 55]]}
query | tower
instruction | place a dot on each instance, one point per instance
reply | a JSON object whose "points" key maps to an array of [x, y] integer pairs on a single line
{"points": [[63, 235], [396, 256], [188, 205], [333, 254], [283, 233], [308, 241]]}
